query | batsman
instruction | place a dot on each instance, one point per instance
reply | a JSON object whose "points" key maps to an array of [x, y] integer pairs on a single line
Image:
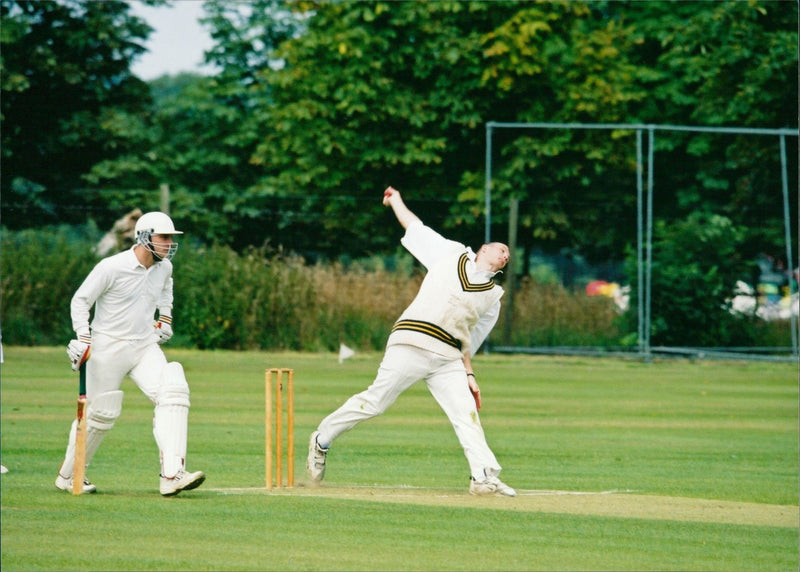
{"points": [[123, 339]]}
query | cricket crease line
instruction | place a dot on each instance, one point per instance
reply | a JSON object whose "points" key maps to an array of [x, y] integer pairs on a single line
{"points": [[532, 493]]}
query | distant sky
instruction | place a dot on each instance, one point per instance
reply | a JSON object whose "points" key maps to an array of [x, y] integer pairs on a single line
{"points": [[177, 42]]}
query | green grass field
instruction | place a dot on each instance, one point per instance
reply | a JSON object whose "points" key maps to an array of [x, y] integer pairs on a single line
{"points": [[619, 465]]}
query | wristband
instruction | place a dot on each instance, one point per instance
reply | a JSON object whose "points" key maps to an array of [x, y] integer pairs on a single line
{"points": [[470, 374]]}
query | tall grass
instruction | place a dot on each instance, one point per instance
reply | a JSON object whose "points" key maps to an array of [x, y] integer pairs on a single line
{"points": [[358, 305], [552, 315], [263, 299], [260, 300], [271, 300]]}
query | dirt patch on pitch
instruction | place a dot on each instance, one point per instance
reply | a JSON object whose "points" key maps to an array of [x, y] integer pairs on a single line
{"points": [[618, 504]]}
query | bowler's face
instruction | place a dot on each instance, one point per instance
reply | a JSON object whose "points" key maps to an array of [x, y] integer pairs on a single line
{"points": [[495, 254]]}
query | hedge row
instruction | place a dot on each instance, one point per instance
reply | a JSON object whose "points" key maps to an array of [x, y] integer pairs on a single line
{"points": [[267, 300]]}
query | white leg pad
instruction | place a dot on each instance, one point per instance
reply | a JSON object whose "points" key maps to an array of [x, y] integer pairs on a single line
{"points": [[68, 464], [101, 414], [171, 419]]}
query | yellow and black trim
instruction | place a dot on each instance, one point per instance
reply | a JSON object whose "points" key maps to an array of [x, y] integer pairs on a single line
{"points": [[466, 285], [428, 329]]}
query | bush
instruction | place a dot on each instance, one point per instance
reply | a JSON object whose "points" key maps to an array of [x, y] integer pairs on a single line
{"points": [[694, 272], [270, 300], [261, 300], [40, 272]]}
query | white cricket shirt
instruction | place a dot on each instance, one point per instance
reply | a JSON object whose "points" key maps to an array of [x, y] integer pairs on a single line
{"points": [[125, 296]]}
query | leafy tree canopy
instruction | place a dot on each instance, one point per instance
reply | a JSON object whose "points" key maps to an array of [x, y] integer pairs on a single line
{"points": [[319, 105], [65, 86]]}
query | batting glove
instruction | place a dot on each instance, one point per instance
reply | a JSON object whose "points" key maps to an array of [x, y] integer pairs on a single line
{"points": [[79, 350], [164, 328]]}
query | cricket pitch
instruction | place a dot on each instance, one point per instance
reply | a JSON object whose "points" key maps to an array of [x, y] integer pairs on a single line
{"points": [[613, 503]]}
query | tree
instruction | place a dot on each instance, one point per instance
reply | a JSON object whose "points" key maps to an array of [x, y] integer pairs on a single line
{"points": [[318, 106], [639, 62], [379, 93], [200, 132], [66, 82], [729, 64], [373, 94], [566, 63]]}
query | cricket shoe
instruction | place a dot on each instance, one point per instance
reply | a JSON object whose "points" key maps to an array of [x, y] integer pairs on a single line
{"points": [[183, 481], [315, 465], [65, 484], [490, 486]]}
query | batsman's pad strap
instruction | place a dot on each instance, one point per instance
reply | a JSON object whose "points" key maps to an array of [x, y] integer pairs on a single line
{"points": [[428, 329]]}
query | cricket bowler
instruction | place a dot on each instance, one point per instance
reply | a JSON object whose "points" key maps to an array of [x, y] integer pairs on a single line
{"points": [[434, 339]]}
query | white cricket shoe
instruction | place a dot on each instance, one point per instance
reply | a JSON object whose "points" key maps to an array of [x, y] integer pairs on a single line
{"points": [[183, 481], [65, 484], [490, 486], [315, 465]]}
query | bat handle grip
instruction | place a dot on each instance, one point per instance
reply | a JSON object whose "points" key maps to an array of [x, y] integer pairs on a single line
{"points": [[82, 380]]}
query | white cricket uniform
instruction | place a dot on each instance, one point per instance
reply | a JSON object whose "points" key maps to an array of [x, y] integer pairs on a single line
{"points": [[454, 311], [125, 295]]}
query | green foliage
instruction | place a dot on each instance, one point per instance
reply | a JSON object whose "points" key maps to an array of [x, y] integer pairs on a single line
{"points": [[317, 106], [197, 140], [724, 63], [267, 299], [248, 301], [40, 273], [373, 94], [200, 133], [65, 83], [245, 37], [695, 265], [632, 62], [271, 299]]}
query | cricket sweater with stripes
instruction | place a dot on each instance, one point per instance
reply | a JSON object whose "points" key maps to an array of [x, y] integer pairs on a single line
{"points": [[456, 306]]}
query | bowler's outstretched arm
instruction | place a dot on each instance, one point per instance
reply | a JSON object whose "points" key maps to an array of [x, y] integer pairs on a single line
{"points": [[392, 198]]}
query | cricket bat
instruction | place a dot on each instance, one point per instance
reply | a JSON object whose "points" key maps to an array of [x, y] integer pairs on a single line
{"points": [[79, 472]]}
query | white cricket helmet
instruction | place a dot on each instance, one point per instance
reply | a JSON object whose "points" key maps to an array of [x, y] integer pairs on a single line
{"points": [[155, 223]]}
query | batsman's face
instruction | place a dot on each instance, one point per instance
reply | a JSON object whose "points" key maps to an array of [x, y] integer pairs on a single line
{"points": [[161, 244]]}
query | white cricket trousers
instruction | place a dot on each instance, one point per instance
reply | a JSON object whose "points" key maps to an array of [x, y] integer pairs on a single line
{"points": [[144, 361], [113, 359], [402, 367]]}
